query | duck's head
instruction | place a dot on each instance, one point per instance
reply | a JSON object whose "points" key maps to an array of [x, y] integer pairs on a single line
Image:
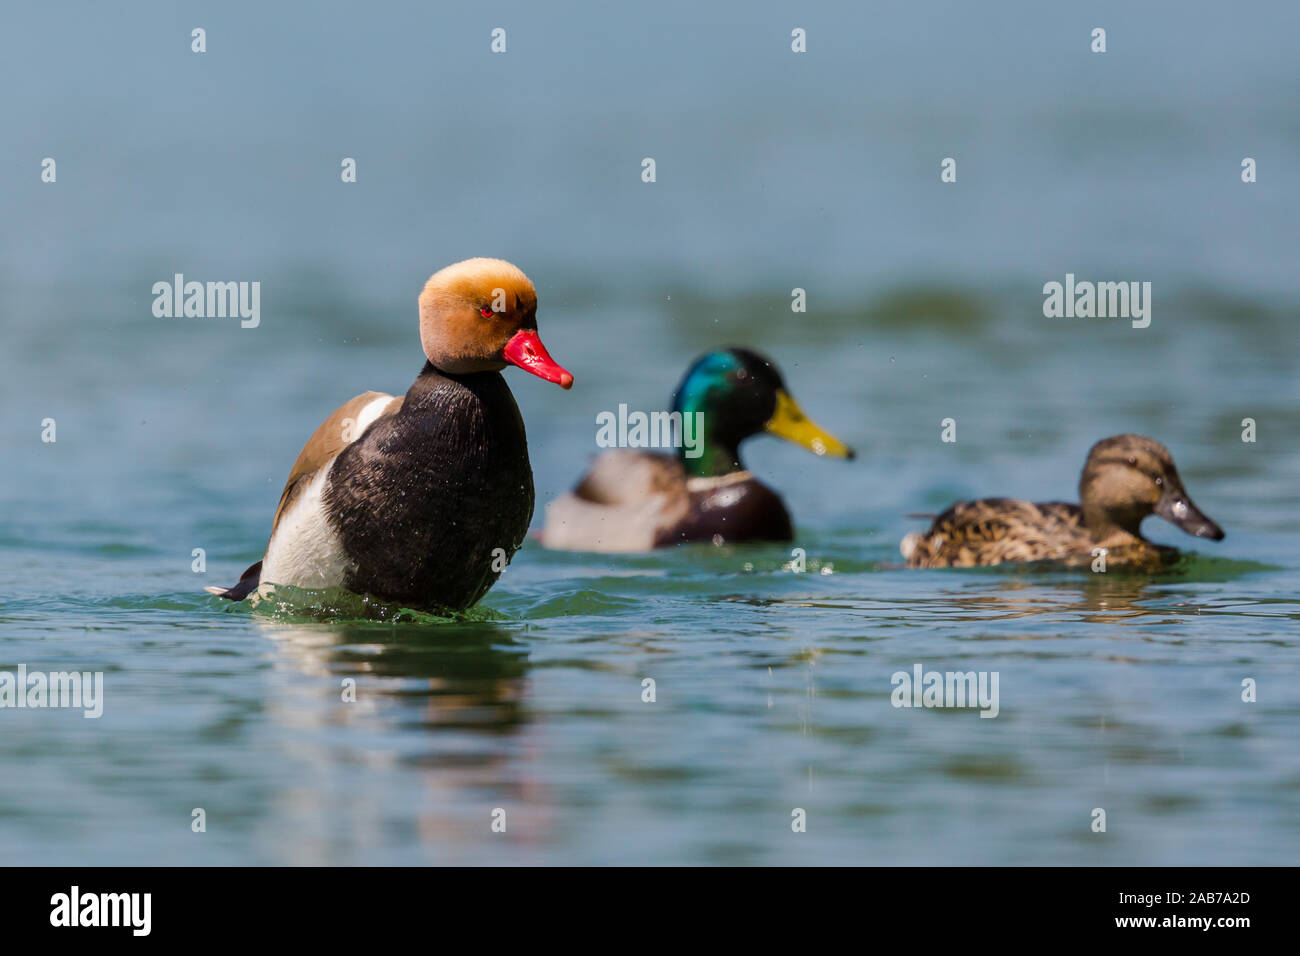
{"points": [[1128, 477], [480, 315], [740, 393]]}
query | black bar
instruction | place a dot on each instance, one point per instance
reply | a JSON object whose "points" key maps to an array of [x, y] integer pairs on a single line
{"points": [[333, 906]]}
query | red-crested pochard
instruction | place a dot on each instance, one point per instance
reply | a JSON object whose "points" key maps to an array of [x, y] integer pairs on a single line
{"points": [[421, 499]]}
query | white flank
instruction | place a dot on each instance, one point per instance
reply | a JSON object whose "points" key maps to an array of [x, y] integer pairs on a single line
{"points": [[574, 524], [305, 551]]}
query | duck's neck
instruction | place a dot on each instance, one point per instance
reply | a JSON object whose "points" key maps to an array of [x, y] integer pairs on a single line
{"points": [[431, 378], [716, 459], [464, 402], [710, 444], [1112, 529]]}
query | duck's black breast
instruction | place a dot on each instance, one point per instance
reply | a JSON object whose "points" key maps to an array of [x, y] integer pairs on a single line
{"points": [[738, 511], [425, 498]]}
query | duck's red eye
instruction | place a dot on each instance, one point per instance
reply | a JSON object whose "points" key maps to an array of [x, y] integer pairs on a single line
{"points": [[486, 312]]}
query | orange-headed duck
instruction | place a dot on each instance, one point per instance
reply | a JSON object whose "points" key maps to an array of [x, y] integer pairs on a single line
{"points": [[421, 500]]}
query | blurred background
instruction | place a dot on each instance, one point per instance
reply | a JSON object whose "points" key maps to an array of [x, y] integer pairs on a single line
{"points": [[774, 171]]}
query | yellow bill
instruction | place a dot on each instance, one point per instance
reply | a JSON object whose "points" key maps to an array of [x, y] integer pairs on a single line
{"points": [[789, 422]]}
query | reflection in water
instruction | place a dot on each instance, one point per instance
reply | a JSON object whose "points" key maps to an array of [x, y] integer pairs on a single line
{"points": [[1095, 598], [1092, 599], [462, 675], [464, 686]]}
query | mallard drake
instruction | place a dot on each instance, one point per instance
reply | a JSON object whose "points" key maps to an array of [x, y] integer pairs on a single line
{"points": [[421, 499], [633, 500], [1125, 478]]}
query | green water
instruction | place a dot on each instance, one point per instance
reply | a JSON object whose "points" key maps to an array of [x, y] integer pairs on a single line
{"points": [[772, 686]]}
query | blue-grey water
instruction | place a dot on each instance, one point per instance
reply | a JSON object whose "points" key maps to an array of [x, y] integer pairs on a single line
{"points": [[775, 170]]}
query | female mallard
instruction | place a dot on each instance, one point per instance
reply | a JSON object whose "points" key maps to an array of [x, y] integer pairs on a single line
{"points": [[634, 500], [1126, 478]]}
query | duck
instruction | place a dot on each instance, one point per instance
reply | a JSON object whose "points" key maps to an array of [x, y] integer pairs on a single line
{"points": [[1125, 479], [421, 499], [631, 500]]}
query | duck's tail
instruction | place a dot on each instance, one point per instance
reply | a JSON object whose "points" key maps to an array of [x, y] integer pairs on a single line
{"points": [[248, 582], [908, 545]]}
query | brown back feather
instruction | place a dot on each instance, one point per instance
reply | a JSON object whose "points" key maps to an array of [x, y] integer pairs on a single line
{"points": [[326, 442], [998, 530]]}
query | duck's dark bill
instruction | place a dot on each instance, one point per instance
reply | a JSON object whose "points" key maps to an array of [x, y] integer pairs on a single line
{"points": [[526, 350], [789, 422], [1179, 511]]}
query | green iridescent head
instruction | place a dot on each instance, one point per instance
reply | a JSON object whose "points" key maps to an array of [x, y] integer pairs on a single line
{"points": [[739, 393]]}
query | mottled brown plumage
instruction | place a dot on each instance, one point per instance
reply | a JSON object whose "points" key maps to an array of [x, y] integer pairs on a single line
{"points": [[1125, 479]]}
